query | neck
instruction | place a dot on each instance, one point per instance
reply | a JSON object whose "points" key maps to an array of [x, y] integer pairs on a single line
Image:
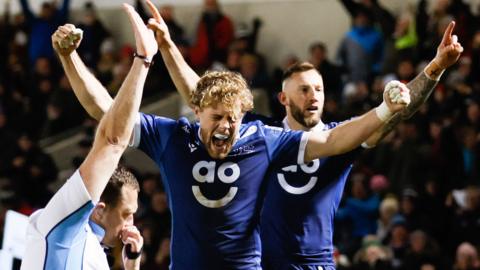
{"points": [[294, 125], [99, 232]]}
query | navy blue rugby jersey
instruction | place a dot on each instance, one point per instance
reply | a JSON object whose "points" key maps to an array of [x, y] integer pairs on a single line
{"points": [[299, 209], [215, 204]]}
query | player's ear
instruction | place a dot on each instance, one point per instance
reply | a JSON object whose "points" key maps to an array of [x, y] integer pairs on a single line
{"points": [[98, 211], [282, 98], [197, 111]]}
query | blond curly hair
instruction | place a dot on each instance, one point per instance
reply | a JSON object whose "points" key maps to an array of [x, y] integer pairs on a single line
{"points": [[222, 87]]}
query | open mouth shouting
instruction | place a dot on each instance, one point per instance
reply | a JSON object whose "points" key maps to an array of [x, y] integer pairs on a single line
{"points": [[220, 144]]}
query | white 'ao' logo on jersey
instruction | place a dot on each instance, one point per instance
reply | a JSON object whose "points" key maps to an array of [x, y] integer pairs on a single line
{"points": [[307, 168], [227, 172]]}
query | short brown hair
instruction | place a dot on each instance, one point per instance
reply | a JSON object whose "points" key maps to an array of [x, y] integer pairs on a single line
{"points": [[113, 191], [296, 68], [223, 87]]}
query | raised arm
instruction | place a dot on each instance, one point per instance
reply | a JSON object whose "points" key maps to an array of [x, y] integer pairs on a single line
{"points": [[64, 11], [351, 134], [90, 92], [183, 76], [422, 86], [115, 128], [27, 11]]}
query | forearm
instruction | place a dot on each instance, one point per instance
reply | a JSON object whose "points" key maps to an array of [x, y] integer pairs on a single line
{"points": [[342, 138], [26, 10], [65, 9], [183, 76], [420, 89], [120, 119], [113, 132], [90, 92]]}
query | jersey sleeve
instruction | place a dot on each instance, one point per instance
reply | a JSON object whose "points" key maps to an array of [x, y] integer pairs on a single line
{"points": [[66, 213], [151, 134], [285, 145]]}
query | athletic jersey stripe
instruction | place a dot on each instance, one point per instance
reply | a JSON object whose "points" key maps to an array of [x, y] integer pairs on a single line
{"points": [[81, 210]]}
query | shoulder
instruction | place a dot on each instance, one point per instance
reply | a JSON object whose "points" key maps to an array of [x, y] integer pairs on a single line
{"points": [[160, 122], [252, 117]]}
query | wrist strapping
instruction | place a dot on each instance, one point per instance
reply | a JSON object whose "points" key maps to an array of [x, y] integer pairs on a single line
{"points": [[433, 76], [130, 254], [383, 112], [147, 61]]}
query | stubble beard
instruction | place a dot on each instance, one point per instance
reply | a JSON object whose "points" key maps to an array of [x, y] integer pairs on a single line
{"points": [[299, 116]]}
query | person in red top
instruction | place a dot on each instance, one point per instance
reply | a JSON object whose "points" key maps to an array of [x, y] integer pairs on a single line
{"points": [[214, 34]]}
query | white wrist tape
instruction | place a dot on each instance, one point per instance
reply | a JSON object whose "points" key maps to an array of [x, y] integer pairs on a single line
{"points": [[383, 112], [73, 36]]}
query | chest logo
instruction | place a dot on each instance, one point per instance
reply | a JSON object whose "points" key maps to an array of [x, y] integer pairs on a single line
{"points": [[205, 171], [306, 168]]}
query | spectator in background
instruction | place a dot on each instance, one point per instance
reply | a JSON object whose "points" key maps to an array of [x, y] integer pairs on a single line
{"points": [[410, 210], [242, 53], [94, 33], [466, 21], [361, 50], [245, 40], [251, 70], [466, 257], [461, 79], [405, 36], [120, 68], [405, 70], [432, 206], [276, 108], [43, 26], [30, 167], [149, 184], [361, 210], [431, 27], [373, 256], [106, 62], [330, 72], [161, 81], [167, 13], [398, 241], [471, 155], [422, 250], [215, 33], [405, 167], [473, 114], [63, 110], [389, 208], [158, 219], [5, 36], [41, 86], [465, 223]]}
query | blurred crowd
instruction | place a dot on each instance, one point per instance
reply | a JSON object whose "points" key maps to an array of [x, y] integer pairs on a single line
{"points": [[412, 202]]}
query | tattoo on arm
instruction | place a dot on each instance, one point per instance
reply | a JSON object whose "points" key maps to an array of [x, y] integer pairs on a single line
{"points": [[420, 89], [434, 72]]}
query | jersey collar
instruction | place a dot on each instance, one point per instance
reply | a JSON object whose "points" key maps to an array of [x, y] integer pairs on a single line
{"points": [[97, 230]]}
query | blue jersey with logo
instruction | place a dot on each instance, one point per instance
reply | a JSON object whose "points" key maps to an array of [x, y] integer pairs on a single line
{"points": [[298, 212], [215, 204]]}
